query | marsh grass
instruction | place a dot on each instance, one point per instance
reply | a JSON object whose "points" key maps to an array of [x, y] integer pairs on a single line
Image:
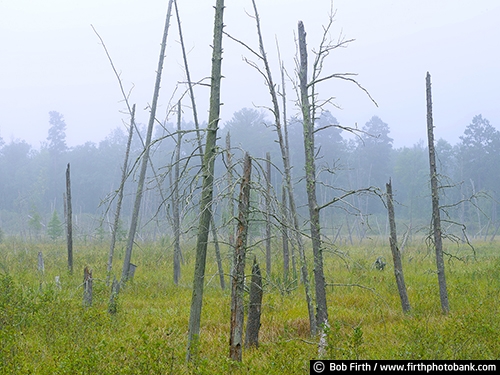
{"points": [[45, 329]]}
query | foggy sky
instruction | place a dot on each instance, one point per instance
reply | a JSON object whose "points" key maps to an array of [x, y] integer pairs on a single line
{"points": [[51, 60]]}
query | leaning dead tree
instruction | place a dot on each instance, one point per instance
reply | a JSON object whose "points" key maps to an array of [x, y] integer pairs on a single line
{"points": [[145, 155], [208, 167], [238, 277], [396, 254], [199, 140], [436, 216], [69, 220]]}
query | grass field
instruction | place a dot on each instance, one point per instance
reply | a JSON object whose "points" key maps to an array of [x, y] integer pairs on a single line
{"points": [[45, 329]]}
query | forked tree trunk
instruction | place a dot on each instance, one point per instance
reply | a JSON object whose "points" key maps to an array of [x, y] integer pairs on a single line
{"points": [[396, 255], [285, 155], [207, 184], [308, 127], [145, 157], [69, 220], [238, 279], [436, 217]]}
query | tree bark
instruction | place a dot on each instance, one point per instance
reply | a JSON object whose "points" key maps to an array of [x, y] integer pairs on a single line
{"points": [[268, 215], [238, 280], [285, 155], [310, 166], [284, 236], [396, 255], [207, 184], [69, 222], [436, 217], [254, 307], [145, 156], [175, 201]]}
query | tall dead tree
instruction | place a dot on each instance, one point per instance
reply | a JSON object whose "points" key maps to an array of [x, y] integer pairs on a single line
{"points": [[199, 139], [310, 167], [268, 215], [207, 184], [69, 220], [238, 277], [396, 254], [280, 127], [145, 155], [436, 216], [175, 200], [116, 222]]}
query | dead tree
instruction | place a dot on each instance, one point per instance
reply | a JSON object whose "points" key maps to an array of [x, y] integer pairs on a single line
{"points": [[175, 201], [310, 167], [69, 222], [396, 254], [145, 156], [238, 277], [436, 216], [200, 147], [254, 307], [207, 184], [268, 215], [119, 201]]}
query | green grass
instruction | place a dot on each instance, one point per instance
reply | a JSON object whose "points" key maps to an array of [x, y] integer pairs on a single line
{"points": [[47, 330]]}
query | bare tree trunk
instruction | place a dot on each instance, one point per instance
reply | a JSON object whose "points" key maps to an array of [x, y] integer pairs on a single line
{"points": [[283, 142], [229, 162], [145, 156], [69, 220], [268, 215], [308, 127], [284, 236], [175, 201], [119, 201], [238, 279], [396, 255], [200, 147], [254, 307], [207, 185], [436, 217]]}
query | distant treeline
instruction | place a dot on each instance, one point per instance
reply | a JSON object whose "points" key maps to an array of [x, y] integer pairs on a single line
{"points": [[33, 181]]}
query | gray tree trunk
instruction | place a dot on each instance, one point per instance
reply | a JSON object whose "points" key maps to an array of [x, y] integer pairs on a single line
{"points": [[69, 220], [229, 162], [200, 147], [207, 184], [145, 156], [436, 216], [268, 215], [254, 307], [175, 201], [308, 128], [284, 236], [396, 255], [238, 278], [119, 201]]}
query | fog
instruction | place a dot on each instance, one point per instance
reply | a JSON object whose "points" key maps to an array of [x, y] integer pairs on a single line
{"points": [[51, 60]]}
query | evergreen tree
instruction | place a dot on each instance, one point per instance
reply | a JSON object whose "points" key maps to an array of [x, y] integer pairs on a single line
{"points": [[54, 227]]}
